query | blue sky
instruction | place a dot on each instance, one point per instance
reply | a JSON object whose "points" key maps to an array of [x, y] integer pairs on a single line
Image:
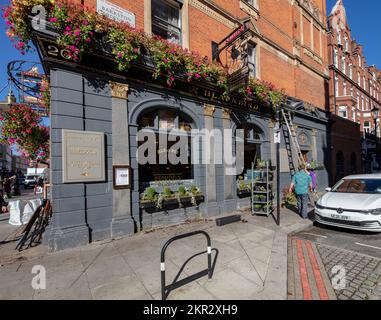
{"points": [[363, 17]]}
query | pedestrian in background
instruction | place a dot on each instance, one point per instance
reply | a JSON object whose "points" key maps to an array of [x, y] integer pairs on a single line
{"points": [[7, 187], [302, 184]]}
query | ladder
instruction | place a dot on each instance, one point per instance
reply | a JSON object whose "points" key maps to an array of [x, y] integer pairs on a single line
{"points": [[290, 139]]}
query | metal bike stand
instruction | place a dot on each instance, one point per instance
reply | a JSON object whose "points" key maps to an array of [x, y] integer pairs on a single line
{"points": [[165, 290]]}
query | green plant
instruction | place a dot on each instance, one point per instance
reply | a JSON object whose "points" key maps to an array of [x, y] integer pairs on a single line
{"points": [[182, 191], [167, 192], [195, 190], [261, 163], [150, 194], [289, 198], [242, 186]]}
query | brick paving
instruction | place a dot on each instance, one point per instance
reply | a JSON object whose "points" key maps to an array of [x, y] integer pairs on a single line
{"points": [[362, 273]]}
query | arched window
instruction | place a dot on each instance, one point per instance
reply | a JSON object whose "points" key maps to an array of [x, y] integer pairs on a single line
{"points": [[346, 43], [168, 127], [339, 165], [338, 36], [335, 57], [343, 65]]}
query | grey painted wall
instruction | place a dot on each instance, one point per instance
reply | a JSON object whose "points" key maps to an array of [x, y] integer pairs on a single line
{"points": [[83, 212]]}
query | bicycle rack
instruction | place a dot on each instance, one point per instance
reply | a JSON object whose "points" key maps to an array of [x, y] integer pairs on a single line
{"points": [[165, 290]]}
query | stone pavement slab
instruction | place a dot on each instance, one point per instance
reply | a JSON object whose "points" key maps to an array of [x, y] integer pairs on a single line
{"points": [[251, 264]]}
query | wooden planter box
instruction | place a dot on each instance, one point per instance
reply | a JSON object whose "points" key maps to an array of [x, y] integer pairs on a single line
{"points": [[147, 205]]}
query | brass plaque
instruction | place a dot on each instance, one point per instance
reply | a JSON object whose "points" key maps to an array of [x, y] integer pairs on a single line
{"points": [[83, 156]]}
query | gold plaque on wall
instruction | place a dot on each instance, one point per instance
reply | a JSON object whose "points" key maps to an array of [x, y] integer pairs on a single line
{"points": [[83, 156]]}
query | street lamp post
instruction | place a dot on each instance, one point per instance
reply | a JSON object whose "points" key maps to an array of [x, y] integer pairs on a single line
{"points": [[375, 113]]}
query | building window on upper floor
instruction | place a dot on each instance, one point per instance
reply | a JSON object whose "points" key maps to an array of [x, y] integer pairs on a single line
{"points": [[251, 60], [353, 115], [343, 65], [367, 104], [350, 70], [351, 91], [336, 86], [362, 103], [358, 78], [371, 88], [343, 112], [344, 88], [358, 101], [359, 57], [338, 36], [367, 127], [335, 58], [166, 20], [346, 43], [252, 3], [364, 82]]}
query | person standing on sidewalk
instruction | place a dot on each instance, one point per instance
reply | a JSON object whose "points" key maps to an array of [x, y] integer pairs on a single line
{"points": [[302, 184], [312, 173]]}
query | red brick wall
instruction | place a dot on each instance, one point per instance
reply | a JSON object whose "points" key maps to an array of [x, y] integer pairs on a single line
{"points": [[278, 23]]}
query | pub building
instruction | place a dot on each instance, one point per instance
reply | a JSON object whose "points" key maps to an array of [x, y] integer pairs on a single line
{"points": [[90, 97]]}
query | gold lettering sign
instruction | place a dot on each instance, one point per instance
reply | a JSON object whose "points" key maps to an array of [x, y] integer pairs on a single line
{"points": [[83, 156]]}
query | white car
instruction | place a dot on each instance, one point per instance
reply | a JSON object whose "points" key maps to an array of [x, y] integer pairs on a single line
{"points": [[353, 203]]}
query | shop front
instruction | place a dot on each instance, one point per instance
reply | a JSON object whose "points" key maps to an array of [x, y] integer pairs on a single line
{"points": [[131, 151]]}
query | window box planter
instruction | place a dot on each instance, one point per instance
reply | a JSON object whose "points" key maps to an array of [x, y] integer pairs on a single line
{"points": [[186, 200], [170, 202], [199, 198], [147, 205]]}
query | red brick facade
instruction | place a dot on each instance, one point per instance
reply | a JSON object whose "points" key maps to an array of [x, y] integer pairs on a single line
{"points": [[290, 38], [355, 88]]}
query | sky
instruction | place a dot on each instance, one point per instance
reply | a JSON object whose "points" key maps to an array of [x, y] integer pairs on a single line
{"points": [[363, 18]]}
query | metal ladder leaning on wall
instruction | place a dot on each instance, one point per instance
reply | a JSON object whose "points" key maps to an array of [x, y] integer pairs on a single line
{"points": [[290, 139]]}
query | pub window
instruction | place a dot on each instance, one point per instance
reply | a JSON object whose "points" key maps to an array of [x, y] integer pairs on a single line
{"points": [[166, 20], [162, 122], [251, 58]]}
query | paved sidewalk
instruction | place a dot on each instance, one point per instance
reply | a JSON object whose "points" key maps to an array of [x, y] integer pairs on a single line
{"points": [[252, 264]]}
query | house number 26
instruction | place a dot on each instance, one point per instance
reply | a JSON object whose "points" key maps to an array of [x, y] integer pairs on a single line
{"points": [[55, 52]]}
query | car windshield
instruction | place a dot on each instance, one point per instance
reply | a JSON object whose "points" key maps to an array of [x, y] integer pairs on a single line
{"points": [[372, 186]]}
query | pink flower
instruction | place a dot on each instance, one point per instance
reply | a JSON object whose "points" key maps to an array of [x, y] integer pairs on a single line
{"points": [[119, 55], [197, 76], [67, 28], [8, 23], [77, 32], [85, 22], [165, 60], [136, 50], [53, 19]]}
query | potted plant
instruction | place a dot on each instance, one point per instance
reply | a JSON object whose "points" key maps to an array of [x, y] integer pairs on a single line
{"points": [[261, 164], [184, 197], [149, 198], [243, 189], [197, 196], [169, 198], [262, 198], [257, 207]]}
